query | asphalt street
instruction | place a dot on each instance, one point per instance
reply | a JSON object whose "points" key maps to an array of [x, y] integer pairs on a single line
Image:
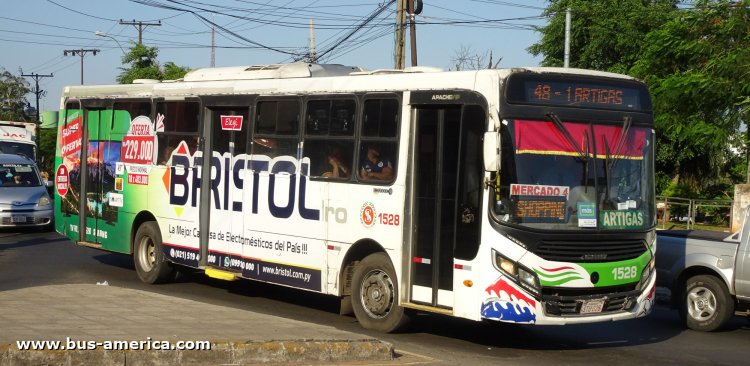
{"points": [[30, 259]]}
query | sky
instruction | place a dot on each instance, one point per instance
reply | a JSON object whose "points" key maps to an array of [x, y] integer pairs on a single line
{"points": [[34, 34]]}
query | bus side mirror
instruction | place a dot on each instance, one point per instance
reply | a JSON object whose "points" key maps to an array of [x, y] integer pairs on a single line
{"points": [[491, 151]]}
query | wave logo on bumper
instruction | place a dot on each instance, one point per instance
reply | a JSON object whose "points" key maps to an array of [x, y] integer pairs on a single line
{"points": [[557, 276], [508, 304]]}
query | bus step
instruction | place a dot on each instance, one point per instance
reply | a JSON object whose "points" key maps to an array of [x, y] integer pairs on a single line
{"points": [[90, 245], [220, 275], [432, 309]]}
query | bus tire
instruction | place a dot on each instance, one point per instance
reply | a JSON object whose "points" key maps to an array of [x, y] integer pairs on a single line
{"points": [[706, 303], [148, 256], [375, 295]]}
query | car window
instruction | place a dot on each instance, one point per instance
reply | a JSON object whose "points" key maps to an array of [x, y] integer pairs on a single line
{"points": [[18, 175]]}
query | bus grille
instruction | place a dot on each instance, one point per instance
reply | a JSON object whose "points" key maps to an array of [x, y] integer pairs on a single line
{"points": [[565, 302], [590, 252]]}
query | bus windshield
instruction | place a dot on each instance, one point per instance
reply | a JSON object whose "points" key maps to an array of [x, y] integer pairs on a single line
{"points": [[559, 175]]}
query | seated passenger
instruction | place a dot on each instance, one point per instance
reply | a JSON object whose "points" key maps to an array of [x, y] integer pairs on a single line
{"points": [[376, 167], [338, 169]]}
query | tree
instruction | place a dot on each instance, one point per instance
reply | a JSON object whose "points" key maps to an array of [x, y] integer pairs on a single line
{"points": [[606, 35], [143, 65], [466, 59], [47, 146], [13, 91], [696, 66]]}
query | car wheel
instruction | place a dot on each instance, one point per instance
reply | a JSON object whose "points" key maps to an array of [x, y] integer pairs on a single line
{"points": [[706, 303]]}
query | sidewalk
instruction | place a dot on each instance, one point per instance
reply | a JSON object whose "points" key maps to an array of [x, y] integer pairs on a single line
{"points": [[87, 313]]}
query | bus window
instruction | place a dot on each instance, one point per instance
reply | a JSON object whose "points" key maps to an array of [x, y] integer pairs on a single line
{"points": [[180, 124], [318, 118], [329, 143], [125, 111], [380, 118], [378, 147], [277, 127], [330, 117]]}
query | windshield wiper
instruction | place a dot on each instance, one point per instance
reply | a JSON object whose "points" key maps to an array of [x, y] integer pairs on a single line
{"points": [[610, 163], [626, 123], [558, 123]]}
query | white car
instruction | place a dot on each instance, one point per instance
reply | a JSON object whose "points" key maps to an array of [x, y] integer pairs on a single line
{"points": [[24, 200]]}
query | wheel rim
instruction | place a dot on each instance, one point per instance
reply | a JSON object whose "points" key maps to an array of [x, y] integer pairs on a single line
{"points": [[147, 254], [377, 294], [701, 303]]}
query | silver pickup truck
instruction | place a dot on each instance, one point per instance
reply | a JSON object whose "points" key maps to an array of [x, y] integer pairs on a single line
{"points": [[708, 274]]}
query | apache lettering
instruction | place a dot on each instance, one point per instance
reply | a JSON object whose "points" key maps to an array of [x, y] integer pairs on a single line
{"points": [[185, 183]]}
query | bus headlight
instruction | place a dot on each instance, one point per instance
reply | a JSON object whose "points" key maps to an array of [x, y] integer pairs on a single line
{"points": [[505, 264], [520, 275], [646, 274], [529, 280]]}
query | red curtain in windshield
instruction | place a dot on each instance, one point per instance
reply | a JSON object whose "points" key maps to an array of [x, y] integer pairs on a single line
{"points": [[542, 137]]}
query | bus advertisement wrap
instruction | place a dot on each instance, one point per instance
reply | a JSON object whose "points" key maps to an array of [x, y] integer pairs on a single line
{"points": [[376, 189]]}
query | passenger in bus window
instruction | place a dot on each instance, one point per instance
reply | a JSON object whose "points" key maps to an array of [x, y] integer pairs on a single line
{"points": [[375, 166], [166, 155], [338, 168]]}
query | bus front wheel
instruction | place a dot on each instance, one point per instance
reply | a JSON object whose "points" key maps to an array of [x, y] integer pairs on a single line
{"points": [[375, 294], [148, 256]]}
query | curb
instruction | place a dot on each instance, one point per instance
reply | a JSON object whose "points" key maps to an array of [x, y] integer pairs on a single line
{"points": [[288, 351]]}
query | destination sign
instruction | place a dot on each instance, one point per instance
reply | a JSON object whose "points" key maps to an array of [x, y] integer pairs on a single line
{"points": [[540, 209], [574, 92]]}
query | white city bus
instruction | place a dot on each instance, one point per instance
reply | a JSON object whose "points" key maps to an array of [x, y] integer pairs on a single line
{"points": [[520, 195]]}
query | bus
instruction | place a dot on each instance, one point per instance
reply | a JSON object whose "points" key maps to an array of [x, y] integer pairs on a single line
{"points": [[521, 195]]}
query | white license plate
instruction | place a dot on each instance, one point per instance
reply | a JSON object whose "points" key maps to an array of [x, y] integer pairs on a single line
{"points": [[592, 306], [17, 218]]}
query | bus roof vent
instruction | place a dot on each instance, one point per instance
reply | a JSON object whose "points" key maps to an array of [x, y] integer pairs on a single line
{"points": [[146, 81], [408, 70], [274, 71]]}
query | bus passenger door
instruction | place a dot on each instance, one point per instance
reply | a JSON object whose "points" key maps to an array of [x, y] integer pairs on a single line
{"points": [[447, 191], [96, 173], [229, 126]]}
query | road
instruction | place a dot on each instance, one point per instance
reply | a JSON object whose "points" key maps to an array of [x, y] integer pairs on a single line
{"points": [[33, 259]]}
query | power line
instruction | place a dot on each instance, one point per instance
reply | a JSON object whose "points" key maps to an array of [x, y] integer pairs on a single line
{"points": [[98, 17], [80, 12]]}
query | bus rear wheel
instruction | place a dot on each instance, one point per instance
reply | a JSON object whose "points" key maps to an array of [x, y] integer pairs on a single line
{"points": [[148, 256], [375, 295]]}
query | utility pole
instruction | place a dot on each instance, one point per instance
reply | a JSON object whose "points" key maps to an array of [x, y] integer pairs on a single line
{"points": [[39, 93], [140, 26], [566, 62], [313, 54], [81, 52], [213, 46], [413, 29], [400, 20]]}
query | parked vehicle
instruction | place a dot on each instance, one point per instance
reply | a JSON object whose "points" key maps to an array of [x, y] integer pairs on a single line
{"points": [[18, 138], [707, 272], [24, 200]]}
